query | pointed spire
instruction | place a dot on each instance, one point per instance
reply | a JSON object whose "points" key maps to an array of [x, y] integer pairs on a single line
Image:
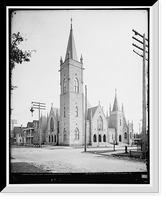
{"points": [[71, 49], [91, 114], [81, 59], [71, 23], [115, 107], [61, 61], [122, 108], [109, 109]]}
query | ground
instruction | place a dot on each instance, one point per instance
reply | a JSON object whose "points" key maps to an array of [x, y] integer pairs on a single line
{"points": [[59, 159]]}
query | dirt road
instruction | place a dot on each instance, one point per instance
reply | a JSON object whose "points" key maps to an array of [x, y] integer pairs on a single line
{"points": [[58, 159]]}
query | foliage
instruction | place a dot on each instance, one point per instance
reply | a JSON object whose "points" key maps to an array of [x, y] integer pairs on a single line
{"points": [[17, 56]]}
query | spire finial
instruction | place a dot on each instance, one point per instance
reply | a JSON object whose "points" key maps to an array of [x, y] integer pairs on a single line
{"points": [[71, 22], [115, 91]]}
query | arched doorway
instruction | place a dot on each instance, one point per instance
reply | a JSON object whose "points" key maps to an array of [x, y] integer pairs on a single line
{"points": [[104, 138], [120, 138], [94, 138], [99, 138]]}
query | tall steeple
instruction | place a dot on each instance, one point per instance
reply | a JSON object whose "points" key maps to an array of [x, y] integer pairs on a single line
{"points": [[71, 49], [115, 107], [109, 109], [122, 108]]}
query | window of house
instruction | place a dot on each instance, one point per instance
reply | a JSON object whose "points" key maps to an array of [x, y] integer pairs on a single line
{"points": [[76, 112], [76, 85], [76, 134]]}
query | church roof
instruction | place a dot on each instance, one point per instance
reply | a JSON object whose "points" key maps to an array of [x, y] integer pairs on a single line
{"points": [[56, 111], [91, 111], [71, 49]]}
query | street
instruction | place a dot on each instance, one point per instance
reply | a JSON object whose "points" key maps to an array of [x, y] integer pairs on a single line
{"points": [[60, 159]]}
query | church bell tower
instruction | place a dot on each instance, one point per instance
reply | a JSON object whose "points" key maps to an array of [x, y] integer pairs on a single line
{"points": [[71, 96]]}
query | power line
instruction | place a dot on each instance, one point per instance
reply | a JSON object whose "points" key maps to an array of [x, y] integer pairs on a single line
{"points": [[23, 112], [144, 87]]}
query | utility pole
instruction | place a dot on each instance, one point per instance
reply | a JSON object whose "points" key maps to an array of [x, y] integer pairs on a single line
{"points": [[39, 106], [85, 116], [143, 85]]}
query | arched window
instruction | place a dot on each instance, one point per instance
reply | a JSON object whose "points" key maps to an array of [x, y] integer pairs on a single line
{"points": [[104, 138], [55, 138], [99, 138], [76, 112], [76, 134], [94, 138], [64, 111], [100, 124], [76, 85], [51, 125], [49, 139], [64, 134], [52, 138], [120, 138], [130, 135], [125, 135], [64, 86]]}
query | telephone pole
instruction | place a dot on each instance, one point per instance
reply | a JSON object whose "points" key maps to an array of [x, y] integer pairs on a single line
{"points": [[85, 116], [39, 106], [144, 103]]}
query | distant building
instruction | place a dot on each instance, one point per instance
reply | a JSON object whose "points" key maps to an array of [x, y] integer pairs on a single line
{"points": [[17, 135], [28, 134]]}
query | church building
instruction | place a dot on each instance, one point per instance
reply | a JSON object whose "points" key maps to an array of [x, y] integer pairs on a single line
{"points": [[66, 126]]}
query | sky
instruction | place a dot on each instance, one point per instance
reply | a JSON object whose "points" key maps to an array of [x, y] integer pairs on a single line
{"points": [[103, 37]]}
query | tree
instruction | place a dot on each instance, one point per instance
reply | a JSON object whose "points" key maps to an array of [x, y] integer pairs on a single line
{"points": [[17, 56]]}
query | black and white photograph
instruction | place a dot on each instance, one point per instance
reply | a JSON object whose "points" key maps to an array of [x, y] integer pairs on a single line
{"points": [[79, 96]]}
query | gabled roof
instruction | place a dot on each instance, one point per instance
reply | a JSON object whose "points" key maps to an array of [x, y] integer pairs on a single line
{"points": [[55, 111], [17, 130], [30, 125], [71, 49], [91, 112]]}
